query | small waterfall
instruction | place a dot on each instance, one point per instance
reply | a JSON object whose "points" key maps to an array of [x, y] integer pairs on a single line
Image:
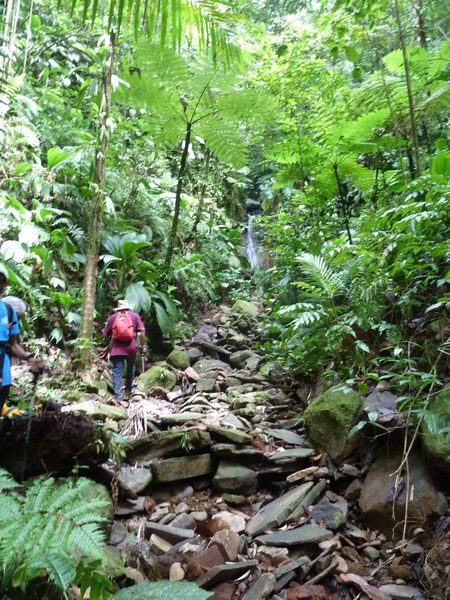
{"points": [[252, 249]]}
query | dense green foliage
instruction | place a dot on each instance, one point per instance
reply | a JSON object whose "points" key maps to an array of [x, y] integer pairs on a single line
{"points": [[53, 532]]}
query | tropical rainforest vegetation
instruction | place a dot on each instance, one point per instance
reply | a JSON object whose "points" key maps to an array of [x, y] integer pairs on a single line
{"points": [[135, 136]]}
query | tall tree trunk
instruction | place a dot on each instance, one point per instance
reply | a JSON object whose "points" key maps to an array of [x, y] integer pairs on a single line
{"points": [[176, 212], [412, 116], [96, 212]]}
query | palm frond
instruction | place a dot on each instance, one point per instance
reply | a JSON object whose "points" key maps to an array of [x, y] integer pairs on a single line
{"points": [[202, 22]]}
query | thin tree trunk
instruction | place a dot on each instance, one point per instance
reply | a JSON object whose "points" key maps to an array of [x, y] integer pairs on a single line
{"points": [[342, 199], [96, 212], [176, 212], [201, 199], [8, 30], [412, 116], [421, 25]]}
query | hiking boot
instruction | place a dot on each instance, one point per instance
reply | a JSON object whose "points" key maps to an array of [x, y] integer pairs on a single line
{"points": [[127, 395], [11, 411]]}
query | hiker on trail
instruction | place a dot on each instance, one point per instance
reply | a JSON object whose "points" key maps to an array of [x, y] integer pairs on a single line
{"points": [[9, 346], [123, 327]]}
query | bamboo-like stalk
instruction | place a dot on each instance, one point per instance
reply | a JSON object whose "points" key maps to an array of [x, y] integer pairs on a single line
{"points": [[11, 12], [412, 116]]}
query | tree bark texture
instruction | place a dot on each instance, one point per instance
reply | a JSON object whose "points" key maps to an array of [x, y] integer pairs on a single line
{"points": [[96, 212], [176, 212], [412, 116]]}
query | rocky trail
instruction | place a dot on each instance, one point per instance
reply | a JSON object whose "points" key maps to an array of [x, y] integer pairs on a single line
{"points": [[227, 481]]}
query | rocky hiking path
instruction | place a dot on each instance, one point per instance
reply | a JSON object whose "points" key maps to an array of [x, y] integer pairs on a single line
{"points": [[227, 481]]}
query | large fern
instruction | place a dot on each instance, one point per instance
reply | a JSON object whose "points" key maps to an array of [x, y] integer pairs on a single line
{"points": [[163, 590], [48, 531]]}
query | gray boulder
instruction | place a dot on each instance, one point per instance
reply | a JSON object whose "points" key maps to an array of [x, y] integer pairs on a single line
{"points": [[380, 492]]}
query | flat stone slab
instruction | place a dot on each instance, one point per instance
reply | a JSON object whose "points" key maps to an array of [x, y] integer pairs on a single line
{"points": [[263, 587], [289, 567], [181, 418], [209, 364], [234, 478], [307, 534], [206, 384], [168, 533], [286, 436], [278, 511], [232, 435], [97, 410], [231, 450], [183, 467], [308, 500], [291, 455], [233, 421], [225, 572], [401, 592]]}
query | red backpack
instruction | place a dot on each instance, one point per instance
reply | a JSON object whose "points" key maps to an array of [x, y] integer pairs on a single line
{"points": [[123, 329]]}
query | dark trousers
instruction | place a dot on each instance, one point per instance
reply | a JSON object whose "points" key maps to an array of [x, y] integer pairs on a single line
{"points": [[118, 363], [4, 393]]}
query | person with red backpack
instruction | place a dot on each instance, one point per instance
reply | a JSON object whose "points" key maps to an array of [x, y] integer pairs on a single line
{"points": [[123, 328]]}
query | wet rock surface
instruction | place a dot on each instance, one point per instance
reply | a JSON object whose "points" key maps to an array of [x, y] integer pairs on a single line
{"points": [[227, 484]]}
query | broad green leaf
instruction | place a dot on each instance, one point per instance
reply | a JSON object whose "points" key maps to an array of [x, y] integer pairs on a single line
{"points": [[163, 319], [351, 53], [440, 164], [56, 156]]}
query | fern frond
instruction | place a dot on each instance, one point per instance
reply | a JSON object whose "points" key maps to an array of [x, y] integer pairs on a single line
{"points": [[89, 539], [59, 568], [163, 590], [306, 319], [56, 521], [10, 507], [7, 482], [321, 275], [223, 138], [38, 493]]}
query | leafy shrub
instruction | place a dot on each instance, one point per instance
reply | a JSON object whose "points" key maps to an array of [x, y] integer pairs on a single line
{"points": [[49, 532]]}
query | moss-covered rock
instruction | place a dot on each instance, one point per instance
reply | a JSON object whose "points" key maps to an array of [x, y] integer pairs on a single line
{"points": [[239, 400], [157, 378], [98, 410], [436, 431], [245, 308], [178, 358], [98, 492], [329, 419]]}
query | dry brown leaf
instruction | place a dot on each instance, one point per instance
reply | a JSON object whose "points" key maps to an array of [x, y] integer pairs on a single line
{"points": [[365, 587]]}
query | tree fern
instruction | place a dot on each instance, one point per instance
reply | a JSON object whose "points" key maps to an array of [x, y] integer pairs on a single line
{"points": [[222, 136], [49, 530]]}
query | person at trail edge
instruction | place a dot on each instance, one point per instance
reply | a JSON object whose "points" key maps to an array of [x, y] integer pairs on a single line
{"points": [[123, 327], [9, 346]]}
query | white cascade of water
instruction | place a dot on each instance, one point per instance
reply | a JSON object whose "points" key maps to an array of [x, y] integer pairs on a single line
{"points": [[252, 249]]}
